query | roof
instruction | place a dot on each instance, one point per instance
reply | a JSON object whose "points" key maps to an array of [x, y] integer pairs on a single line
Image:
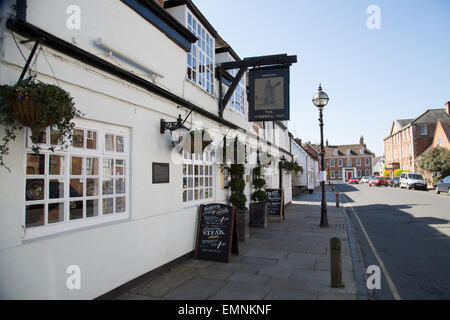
{"points": [[223, 46], [342, 150], [431, 116]]}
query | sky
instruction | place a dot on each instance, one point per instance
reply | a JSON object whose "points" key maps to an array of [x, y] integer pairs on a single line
{"points": [[372, 76]]}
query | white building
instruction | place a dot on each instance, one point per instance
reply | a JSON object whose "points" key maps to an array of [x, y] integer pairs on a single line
{"points": [[301, 156], [128, 65]]}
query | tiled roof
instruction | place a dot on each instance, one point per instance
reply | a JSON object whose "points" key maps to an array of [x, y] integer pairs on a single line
{"points": [[431, 116], [342, 150], [404, 122]]}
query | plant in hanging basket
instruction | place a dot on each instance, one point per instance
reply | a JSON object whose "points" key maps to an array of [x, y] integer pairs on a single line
{"points": [[36, 105], [200, 139]]}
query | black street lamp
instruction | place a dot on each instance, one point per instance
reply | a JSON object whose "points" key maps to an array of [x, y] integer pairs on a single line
{"points": [[320, 100]]}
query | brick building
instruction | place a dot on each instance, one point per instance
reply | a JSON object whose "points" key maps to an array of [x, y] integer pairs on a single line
{"points": [[409, 138], [343, 162], [442, 134]]}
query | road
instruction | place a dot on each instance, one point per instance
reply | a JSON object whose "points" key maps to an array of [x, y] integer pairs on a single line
{"points": [[407, 234]]}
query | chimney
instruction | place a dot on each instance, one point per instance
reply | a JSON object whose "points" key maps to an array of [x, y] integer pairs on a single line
{"points": [[326, 143], [361, 141], [447, 107]]}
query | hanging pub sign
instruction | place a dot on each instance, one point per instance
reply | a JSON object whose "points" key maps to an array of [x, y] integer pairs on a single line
{"points": [[269, 94]]}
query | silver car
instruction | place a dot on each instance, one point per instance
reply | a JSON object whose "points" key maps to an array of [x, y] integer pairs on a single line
{"points": [[443, 186]]}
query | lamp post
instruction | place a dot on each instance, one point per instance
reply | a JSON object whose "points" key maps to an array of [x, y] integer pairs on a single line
{"points": [[320, 100]]}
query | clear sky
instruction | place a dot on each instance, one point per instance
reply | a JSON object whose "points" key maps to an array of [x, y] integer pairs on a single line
{"points": [[372, 76]]}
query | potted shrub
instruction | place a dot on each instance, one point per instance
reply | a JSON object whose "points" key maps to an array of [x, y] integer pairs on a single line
{"points": [[258, 209], [36, 105], [205, 141], [238, 200]]}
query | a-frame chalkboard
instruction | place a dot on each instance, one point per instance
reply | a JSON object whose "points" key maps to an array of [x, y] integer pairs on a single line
{"points": [[275, 203], [217, 234]]}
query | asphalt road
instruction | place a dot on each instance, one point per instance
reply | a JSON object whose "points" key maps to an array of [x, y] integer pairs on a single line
{"points": [[409, 238]]}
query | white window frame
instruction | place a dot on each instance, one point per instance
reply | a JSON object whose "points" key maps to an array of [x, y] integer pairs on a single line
{"points": [[201, 160], [340, 174], [367, 161], [349, 162], [358, 162], [332, 163], [67, 224], [423, 130], [340, 162], [332, 174], [367, 171], [202, 52]]}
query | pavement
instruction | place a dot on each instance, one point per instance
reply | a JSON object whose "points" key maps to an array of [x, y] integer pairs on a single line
{"points": [[288, 260]]}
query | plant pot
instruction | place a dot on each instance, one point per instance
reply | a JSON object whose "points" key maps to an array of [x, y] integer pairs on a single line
{"points": [[258, 215], [243, 217]]}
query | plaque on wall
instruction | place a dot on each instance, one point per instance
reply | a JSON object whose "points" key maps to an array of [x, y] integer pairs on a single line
{"points": [[160, 172]]}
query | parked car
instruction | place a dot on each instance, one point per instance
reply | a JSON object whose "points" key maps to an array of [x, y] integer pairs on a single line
{"points": [[413, 180], [395, 182], [443, 186], [364, 180], [353, 180], [378, 181]]}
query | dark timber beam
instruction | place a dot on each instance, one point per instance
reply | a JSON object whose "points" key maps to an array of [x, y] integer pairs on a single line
{"points": [[230, 91], [280, 59]]}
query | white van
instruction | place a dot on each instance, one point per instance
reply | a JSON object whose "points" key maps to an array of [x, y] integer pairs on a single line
{"points": [[413, 180]]}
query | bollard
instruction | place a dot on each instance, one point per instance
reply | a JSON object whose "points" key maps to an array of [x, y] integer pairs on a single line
{"points": [[332, 186], [336, 263], [337, 200]]}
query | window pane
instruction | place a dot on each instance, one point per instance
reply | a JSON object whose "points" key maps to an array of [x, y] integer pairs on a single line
{"points": [[109, 142], [55, 212], [120, 186], [76, 188], [76, 210], [91, 208], [91, 139], [120, 167], [119, 144], [78, 138], [91, 166], [34, 215], [190, 169], [36, 164], [120, 204], [108, 167], [108, 187], [34, 190], [184, 196], [196, 194], [108, 206], [91, 187], [56, 189], [57, 165], [190, 195], [55, 136], [76, 166], [185, 183]]}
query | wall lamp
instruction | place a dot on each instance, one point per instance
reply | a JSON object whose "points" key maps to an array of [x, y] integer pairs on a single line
{"points": [[177, 128]]}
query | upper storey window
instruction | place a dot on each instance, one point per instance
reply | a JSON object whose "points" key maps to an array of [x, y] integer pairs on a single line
{"points": [[237, 101], [201, 58]]}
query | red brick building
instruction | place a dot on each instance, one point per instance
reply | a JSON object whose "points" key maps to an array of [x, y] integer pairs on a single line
{"points": [[409, 138], [343, 162]]}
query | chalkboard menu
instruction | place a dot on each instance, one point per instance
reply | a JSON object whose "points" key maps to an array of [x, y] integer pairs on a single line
{"points": [[275, 203], [216, 233], [160, 172]]}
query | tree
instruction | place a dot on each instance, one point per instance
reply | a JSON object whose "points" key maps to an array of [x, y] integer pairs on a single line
{"points": [[437, 161]]}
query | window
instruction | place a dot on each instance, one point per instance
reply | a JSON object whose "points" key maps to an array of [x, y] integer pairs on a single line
{"points": [[423, 130], [367, 172], [340, 163], [349, 151], [358, 162], [349, 162], [198, 178], [79, 186], [336, 152], [332, 163], [201, 58], [367, 162], [237, 101], [332, 174], [361, 151], [440, 141], [339, 174], [359, 173]]}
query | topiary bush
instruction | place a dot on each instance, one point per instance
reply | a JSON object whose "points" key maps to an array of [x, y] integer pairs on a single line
{"points": [[237, 186]]}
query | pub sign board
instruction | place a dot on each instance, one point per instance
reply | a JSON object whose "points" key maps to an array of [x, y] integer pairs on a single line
{"points": [[269, 94], [217, 233], [275, 203]]}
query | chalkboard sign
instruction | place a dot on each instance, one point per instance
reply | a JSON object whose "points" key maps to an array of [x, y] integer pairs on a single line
{"points": [[160, 172], [275, 203], [216, 233]]}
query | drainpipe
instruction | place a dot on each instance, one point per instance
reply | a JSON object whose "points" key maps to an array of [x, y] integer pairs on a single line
{"points": [[21, 10]]}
